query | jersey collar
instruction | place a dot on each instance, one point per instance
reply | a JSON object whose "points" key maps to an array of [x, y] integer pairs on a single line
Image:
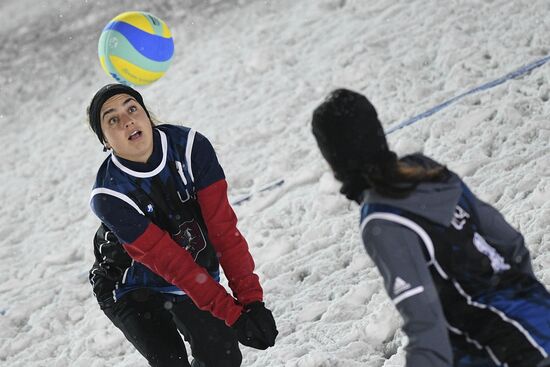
{"points": [[151, 172]]}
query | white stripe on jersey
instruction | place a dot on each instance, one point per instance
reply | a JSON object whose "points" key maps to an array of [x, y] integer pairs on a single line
{"points": [[411, 292], [188, 150], [179, 168]]}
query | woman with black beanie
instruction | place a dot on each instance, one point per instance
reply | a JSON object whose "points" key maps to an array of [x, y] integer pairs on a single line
{"points": [[457, 272], [167, 226]]}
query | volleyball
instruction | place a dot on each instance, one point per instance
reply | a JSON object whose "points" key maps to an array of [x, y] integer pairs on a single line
{"points": [[136, 48]]}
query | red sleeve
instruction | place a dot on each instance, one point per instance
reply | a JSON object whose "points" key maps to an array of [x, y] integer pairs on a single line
{"points": [[230, 245], [158, 251]]}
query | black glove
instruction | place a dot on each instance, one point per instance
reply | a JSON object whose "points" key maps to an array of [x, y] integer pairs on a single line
{"points": [[108, 269], [113, 258], [103, 287], [256, 327]]}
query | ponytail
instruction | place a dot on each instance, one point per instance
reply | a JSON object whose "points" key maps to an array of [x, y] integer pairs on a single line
{"points": [[401, 177], [394, 178]]}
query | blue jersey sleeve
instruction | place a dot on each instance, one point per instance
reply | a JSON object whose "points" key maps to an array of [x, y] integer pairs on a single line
{"points": [[205, 165], [120, 216]]}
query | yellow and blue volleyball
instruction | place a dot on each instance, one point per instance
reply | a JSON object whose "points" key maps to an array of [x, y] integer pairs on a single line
{"points": [[136, 48]]}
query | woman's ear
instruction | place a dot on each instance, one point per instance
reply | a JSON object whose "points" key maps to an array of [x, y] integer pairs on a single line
{"points": [[106, 146]]}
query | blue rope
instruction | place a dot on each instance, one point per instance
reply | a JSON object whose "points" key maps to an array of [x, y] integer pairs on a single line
{"points": [[248, 196], [514, 74]]}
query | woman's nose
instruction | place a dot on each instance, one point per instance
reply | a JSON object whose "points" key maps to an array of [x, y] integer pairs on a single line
{"points": [[127, 120]]}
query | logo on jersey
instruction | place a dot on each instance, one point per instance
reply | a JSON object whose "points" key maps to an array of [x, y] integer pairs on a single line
{"points": [[459, 218], [400, 286], [191, 238], [497, 262]]}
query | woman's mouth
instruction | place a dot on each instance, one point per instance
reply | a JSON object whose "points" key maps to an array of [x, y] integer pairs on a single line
{"points": [[135, 135]]}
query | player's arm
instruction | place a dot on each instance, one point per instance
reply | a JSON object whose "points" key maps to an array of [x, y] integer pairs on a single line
{"points": [[501, 235], [221, 222], [399, 257]]}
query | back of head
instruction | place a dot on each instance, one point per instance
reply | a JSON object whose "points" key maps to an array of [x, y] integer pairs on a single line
{"points": [[351, 139], [348, 132], [353, 142]]}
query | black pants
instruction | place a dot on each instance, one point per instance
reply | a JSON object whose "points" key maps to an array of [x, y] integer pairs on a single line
{"points": [[152, 322], [467, 355]]}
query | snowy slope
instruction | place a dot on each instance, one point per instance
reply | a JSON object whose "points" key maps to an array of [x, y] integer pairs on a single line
{"points": [[248, 74]]}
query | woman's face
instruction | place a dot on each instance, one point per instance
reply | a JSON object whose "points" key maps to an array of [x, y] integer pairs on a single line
{"points": [[127, 128]]}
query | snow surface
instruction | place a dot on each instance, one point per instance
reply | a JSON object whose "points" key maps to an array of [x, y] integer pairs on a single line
{"points": [[248, 74]]}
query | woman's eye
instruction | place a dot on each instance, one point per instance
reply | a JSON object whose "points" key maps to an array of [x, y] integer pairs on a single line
{"points": [[113, 120], [132, 109]]}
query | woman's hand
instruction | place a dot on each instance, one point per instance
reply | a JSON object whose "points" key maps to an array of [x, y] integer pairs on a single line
{"points": [[256, 327]]}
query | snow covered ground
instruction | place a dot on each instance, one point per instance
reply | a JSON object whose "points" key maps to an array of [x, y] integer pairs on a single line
{"points": [[248, 74]]}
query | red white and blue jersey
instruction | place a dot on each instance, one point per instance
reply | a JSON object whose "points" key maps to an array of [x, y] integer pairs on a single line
{"points": [[128, 196], [173, 218]]}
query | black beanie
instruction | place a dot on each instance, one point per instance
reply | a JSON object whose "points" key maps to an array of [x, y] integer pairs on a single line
{"points": [[349, 134], [103, 95]]}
